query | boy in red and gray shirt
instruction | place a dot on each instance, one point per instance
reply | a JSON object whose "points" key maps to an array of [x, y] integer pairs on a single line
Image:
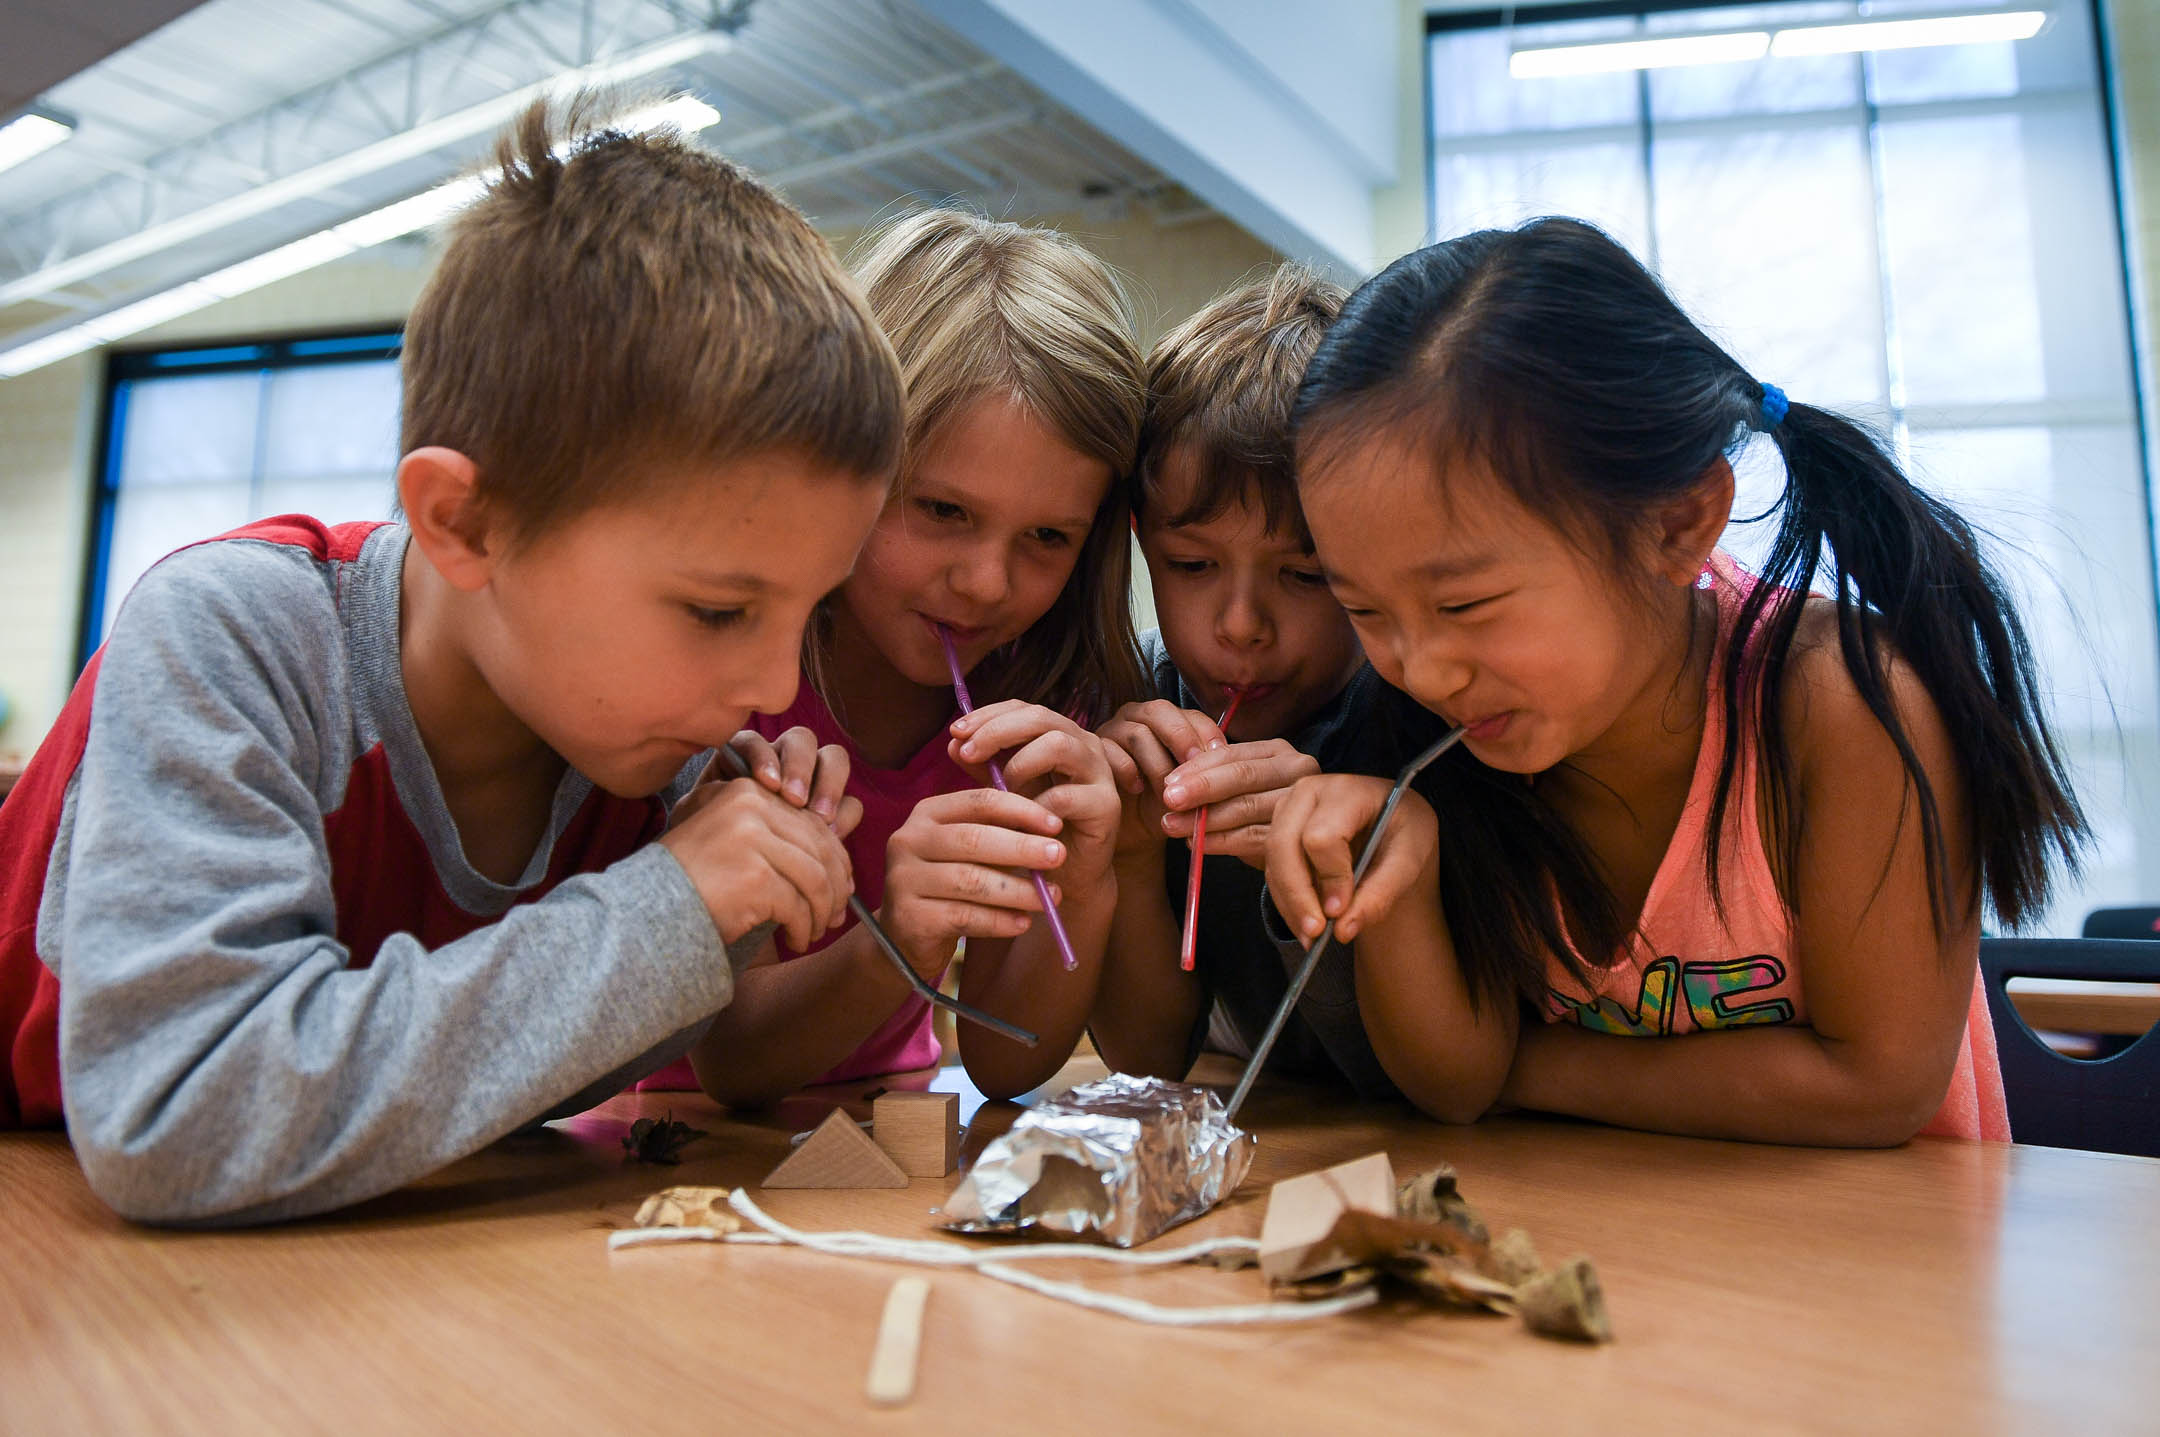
{"points": [[358, 847]]}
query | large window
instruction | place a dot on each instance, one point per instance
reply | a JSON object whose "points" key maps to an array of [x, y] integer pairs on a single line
{"points": [[1925, 239], [199, 441]]}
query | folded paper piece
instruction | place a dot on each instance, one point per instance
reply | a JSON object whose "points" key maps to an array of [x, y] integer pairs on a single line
{"points": [[1296, 1239]]}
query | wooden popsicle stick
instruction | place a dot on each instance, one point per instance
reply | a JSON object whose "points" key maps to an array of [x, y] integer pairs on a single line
{"points": [[899, 1342]]}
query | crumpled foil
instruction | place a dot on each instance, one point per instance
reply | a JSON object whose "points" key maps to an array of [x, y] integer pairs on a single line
{"points": [[1121, 1159]]}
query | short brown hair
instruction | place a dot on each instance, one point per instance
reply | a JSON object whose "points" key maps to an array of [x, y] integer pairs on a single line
{"points": [[978, 307], [621, 306], [1223, 383]]}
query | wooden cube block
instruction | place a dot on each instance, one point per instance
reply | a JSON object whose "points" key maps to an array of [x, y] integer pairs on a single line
{"points": [[919, 1131], [1301, 1211]]}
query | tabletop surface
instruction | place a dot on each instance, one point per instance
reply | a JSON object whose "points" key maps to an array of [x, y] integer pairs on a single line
{"points": [[1942, 1286]]}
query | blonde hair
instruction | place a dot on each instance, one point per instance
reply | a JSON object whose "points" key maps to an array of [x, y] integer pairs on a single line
{"points": [[1222, 384], [617, 308], [976, 307]]}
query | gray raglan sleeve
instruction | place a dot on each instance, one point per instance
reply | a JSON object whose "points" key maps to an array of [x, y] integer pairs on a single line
{"points": [[220, 1061]]}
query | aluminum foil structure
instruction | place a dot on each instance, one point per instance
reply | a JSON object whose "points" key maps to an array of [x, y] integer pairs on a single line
{"points": [[1121, 1159]]}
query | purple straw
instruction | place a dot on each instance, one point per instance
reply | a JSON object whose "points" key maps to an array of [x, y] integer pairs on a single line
{"points": [[997, 776]]}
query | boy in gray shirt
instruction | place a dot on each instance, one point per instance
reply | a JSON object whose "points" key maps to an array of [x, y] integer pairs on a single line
{"points": [[358, 847]]}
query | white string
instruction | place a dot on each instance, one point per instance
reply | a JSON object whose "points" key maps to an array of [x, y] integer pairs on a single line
{"points": [[940, 1252], [996, 1265], [1237, 1315]]}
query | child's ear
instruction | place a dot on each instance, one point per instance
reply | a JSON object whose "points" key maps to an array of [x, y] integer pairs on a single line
{"points": [[438, 491], [1689, 527]]}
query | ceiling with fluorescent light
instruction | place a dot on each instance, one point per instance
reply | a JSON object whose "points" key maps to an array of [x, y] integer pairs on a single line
{"points": [[246, 124]]}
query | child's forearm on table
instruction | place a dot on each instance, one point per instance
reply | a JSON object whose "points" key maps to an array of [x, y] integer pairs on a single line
{"points": [[1025, 982], [1145, 1005], [1779, 1085], [791, 1022], [1446, 1058]]}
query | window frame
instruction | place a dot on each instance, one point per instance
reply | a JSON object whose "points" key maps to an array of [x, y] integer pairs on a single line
{"points": [[1895, 417], [123, 366]]}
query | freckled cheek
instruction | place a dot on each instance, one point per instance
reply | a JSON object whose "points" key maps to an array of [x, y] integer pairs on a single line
{"points": [[1037, 585], [897, 574]]}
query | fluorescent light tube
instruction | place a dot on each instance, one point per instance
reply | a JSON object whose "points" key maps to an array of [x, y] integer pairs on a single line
{"points": [[1639, 54], [1909, 34], [685, 113], [368, 159], [32, 132]]}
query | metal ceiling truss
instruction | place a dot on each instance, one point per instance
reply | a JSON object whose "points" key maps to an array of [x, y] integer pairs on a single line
{"points": [[461, 63]]}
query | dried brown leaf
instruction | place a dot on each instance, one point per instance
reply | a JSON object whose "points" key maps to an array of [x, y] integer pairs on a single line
{"points": [[1434, 1197], [1450, 1280], [1566, 1302], [1513, 1258], [1330, 1284]]}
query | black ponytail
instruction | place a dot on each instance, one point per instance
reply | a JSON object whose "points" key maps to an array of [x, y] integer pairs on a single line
{"points": [[1909, 581], [1549, 357]]}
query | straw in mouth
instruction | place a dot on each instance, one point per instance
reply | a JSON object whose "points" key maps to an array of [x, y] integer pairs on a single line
{"points": [[997, 776]]}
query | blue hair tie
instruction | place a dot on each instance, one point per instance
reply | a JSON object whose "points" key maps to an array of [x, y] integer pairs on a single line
{"points": [[1774, 406]]}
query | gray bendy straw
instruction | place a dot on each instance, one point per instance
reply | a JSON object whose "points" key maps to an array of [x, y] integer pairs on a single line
{"points": [[864, 916], [1304, 974]]}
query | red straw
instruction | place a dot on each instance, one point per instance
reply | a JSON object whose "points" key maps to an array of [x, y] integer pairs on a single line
{"points": [[1199, 851]]}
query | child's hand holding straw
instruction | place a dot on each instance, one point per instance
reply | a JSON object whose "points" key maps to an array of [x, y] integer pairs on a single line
{"points": [[1059, 747]]}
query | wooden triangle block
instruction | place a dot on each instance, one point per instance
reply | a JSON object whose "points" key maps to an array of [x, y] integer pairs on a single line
{"points": [[1301, 1212], [838, 1154]]}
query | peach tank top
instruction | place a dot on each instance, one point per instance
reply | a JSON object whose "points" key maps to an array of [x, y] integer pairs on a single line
{"points": [[1686, 970]]}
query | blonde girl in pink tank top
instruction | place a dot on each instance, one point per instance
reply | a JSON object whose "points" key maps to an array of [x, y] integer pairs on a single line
{"points": [[1715, 853], [1007, 530]]}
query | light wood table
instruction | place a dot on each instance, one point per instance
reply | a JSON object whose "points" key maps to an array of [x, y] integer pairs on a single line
{"points": [[2064, 1005], [1940, 1287]]}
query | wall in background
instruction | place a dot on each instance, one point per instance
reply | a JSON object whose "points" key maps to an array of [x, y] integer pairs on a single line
{"points": [[49, 418]]}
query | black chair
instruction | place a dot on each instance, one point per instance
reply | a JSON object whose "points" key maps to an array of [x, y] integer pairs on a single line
{"points": [[2110, 1104], [2123, 923]]}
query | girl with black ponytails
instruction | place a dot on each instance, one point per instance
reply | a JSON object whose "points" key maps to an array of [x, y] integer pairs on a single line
{"points": [[1692, 804]]}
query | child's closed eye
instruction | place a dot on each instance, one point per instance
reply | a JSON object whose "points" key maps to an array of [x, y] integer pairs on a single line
{"points": [[1051, 538], [943, 511], [1189, 566], [715, 618], [1467, 606]]}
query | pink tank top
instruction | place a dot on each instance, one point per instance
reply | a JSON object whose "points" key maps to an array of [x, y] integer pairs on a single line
{"points": [[1685, 970], [906, 1040]]}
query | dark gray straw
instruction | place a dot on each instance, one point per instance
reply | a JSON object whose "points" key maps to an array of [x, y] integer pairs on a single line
{"points": [[1304, 974], [863, 915]]}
